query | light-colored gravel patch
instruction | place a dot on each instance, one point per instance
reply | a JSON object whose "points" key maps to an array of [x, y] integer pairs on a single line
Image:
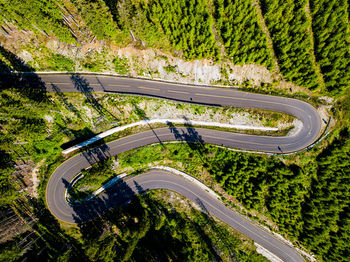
{"points": [[49, 118], [264, 252], [298, 125]]}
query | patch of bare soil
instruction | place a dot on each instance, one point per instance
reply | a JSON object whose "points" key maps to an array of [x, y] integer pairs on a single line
{"points": [[27, 176], [23, 175], [142, 62]]}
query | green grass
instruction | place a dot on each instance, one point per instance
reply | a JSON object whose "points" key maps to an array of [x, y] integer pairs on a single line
{"points": [[60, 63], [95, 177], [49, 61]]}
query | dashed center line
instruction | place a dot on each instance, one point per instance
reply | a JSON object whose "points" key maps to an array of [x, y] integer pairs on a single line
{"points": [[60, 83], [118, 85], [179, 92], [70, 83], [149, 88]]}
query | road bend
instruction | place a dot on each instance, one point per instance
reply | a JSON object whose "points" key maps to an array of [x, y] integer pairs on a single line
{"points": [[156, 179]]}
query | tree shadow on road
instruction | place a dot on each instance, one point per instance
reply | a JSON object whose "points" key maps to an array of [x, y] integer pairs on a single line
{"points": [[187, 134], [97, 153], [83, 86], [113, 196], [190, 135], [218, 230]]}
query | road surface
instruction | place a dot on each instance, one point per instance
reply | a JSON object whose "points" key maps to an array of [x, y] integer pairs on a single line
{"points": [[64, 174], [307, 114]]}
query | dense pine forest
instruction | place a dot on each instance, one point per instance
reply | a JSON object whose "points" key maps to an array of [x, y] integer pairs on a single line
{"points": [[305, 196], [331, 25], [250, 45]]}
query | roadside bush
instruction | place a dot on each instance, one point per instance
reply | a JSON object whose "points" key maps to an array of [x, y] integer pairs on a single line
{"points": [[121, 65]]}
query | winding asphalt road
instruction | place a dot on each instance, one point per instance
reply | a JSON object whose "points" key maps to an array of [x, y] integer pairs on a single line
{"points": [[87, 84], [206, 96]]}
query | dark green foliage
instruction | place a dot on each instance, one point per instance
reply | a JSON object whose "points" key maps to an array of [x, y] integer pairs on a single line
{"points": [[22, 103], [25, 132], [11, 62], [244, 40], [326, 210], [10, 251], [47, 15], [98, 18], [309, 203], [99, 174], [94, 66], [288, 26], [330, 23], [134, 20], [170, 69], [96, 62], [22, 121], [258, 181], [36, 14], [8, 191], [187, 24], [43, 239]]}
